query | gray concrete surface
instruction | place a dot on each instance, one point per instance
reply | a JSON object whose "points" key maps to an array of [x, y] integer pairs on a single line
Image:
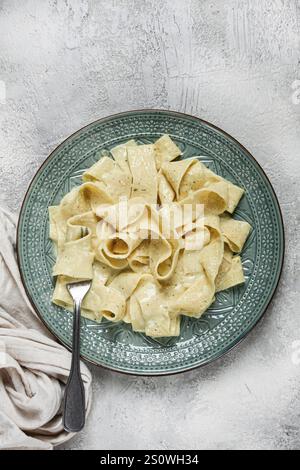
{"points": [[235, 63]]}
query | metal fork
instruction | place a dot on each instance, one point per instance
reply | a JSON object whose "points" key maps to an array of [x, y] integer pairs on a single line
{"points": [[74, 399]]}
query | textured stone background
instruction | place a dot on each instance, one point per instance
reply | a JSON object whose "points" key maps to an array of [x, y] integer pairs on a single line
{"points": [[65, 63]]}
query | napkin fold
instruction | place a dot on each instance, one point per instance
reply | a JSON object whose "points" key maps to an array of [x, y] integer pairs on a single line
{"points": [[34, 368]]}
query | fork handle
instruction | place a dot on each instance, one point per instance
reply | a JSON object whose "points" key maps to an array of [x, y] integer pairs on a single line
{"points": [[74, 399]]}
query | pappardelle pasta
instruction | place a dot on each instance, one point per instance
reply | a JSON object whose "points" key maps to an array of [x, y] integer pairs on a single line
{"points": [[154, 235]]}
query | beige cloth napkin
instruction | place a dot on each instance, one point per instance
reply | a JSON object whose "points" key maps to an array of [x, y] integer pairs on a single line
{"points": [[33, 366]]}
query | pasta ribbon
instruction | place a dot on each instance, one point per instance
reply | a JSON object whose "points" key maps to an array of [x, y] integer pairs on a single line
{"points": [[155, 236]]}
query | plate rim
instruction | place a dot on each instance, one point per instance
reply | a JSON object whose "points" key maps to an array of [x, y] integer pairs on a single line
{"points": [[169, 112]]}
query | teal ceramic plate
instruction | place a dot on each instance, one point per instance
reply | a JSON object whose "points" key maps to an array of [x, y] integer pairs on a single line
{"points": [[234, 312]]}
